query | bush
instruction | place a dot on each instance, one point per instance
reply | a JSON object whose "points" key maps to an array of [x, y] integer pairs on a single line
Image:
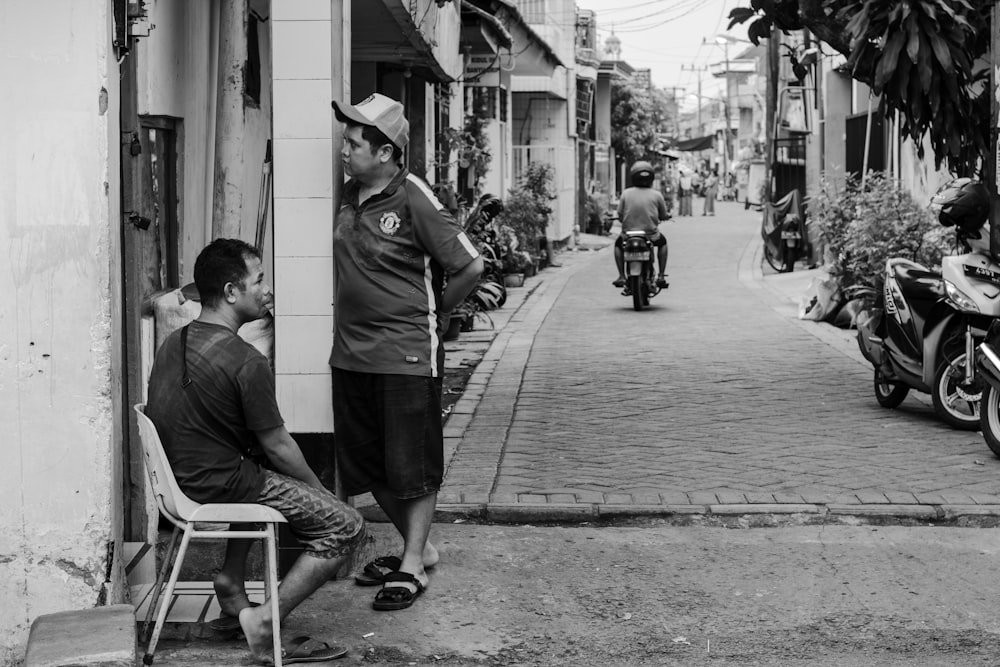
{"points": [[527, 210], [861, 229]]}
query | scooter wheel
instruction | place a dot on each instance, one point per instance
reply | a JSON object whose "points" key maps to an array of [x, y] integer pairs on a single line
{"points": [[887, 394], [956, 402], [638, 292], [989, 418]]}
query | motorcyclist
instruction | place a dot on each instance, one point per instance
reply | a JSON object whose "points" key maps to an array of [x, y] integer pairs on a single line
{"points": [[642, 208]]}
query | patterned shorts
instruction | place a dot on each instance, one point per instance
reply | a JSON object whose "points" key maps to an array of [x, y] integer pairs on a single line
{"points": [[326, 526]]}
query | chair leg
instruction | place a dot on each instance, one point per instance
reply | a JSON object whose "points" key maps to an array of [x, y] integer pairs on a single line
{"points": [[158, 588], [271, 565], [161, 617]]}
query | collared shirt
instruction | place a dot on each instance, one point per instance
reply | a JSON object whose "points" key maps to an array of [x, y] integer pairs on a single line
{"points": [[391, 254]]}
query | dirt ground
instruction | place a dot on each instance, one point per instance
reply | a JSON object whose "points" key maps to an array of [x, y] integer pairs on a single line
{"points": [[651, 594]]}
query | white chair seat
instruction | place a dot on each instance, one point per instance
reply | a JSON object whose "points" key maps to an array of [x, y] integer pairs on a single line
{"points": [[236, 513]]}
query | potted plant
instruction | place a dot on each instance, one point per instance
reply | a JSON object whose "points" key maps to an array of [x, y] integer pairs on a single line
{"points": [[526, 213]]}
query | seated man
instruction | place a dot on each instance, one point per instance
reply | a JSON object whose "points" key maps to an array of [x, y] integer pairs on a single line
{"points": [[642, 209], [212, 400]]}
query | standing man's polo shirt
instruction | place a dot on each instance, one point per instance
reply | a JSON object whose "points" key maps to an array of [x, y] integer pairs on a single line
{"points": [[391, 255]]}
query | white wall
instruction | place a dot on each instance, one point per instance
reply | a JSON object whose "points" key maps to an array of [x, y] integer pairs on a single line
{"points": [[304, 156], [59, 508]]}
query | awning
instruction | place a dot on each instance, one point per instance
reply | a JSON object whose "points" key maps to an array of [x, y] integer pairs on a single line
{"points": [[670, 154], [534, 56], [386, 31], [697, 144]]}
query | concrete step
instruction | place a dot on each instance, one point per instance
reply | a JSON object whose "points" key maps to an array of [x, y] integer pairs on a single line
{"points": [[102, 636]]}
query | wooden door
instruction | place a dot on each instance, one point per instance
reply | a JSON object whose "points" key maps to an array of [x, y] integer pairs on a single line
{"points": [[150, 233]]}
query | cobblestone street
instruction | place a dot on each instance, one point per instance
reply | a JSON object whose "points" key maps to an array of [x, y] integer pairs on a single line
{"points": [[715, 400]]}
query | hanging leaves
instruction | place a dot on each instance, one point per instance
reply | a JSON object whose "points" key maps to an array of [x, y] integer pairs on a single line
{"points": [[920, 55], [924, 57]]}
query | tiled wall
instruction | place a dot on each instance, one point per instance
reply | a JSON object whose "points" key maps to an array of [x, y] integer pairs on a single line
{"points": [[303, 210]]}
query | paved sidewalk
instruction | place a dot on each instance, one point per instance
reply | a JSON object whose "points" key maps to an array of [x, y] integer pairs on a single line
{"points": [[717, 402]]}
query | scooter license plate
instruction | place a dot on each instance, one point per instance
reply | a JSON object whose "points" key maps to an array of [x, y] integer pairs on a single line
{"points": [[791, 235], [636, 257]]}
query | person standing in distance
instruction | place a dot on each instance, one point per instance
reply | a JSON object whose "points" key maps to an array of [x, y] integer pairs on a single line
{"points": [[711, 192], [642, 209], [401, 264]]}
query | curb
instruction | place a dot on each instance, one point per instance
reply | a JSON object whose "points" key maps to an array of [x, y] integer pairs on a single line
{"points": [[772, 515]]}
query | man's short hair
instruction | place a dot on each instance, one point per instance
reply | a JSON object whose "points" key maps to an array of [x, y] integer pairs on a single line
{"points": [[221, 261], [377, 138]]}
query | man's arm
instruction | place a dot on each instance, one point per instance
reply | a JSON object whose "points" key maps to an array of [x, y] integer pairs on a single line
{"points": [[461, 283], [285, 455]]}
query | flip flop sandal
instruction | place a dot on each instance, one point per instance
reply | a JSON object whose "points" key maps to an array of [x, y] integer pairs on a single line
{"points": [[394, 598], [375, 572], [307, 649], [227, 623]]}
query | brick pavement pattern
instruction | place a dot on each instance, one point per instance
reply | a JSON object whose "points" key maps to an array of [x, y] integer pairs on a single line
{"points": [[714, 400]]}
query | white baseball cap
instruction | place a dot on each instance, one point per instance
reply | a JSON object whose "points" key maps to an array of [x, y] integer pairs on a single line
{"points": [[378, 111]]}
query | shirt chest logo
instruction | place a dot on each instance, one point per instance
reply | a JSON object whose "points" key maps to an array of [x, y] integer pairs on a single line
{"points": [[389, 223]]}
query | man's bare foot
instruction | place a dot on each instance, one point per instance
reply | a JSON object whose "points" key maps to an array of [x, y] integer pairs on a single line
{"points": [[256, 625], [231, 594]]}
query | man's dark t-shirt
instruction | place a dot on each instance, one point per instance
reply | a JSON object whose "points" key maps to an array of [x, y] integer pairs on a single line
{"points": [[209, 445]]}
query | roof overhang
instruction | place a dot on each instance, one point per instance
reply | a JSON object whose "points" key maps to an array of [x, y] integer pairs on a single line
{"points": [[616, 69], [531, 55], [386, 31], [733, 67]]}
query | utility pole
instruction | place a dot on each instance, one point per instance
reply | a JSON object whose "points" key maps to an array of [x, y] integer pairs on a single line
{"points": [[728, 108], [773, 72], [677, 109], [698, 71]]}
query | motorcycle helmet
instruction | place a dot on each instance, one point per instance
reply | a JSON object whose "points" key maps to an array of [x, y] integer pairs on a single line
{"points": [[642, 174], [962, 202]]}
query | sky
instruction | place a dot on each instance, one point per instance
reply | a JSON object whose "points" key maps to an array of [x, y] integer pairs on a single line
{"points": [[675, 39]]}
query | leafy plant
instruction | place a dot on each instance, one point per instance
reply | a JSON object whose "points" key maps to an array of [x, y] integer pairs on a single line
{"points": [[527, 210], [517, 261], [470, 144], [862, 227]]}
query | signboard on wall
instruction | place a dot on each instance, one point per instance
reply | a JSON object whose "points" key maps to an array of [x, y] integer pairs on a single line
{"points": [[482, 70]]}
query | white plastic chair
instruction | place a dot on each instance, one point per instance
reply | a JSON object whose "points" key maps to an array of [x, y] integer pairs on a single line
{"points": [[185, 513]]}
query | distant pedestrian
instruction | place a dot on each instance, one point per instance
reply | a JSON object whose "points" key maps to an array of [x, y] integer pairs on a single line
{"points": [[685, 190], [711, 191]]}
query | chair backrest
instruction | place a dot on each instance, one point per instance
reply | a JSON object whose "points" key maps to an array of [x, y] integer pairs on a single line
{"points": [[169, 497]]}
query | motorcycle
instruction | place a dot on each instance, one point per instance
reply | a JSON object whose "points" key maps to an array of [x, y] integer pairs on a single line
{"points": [[640, 258], [784, 233], [924, 328]]}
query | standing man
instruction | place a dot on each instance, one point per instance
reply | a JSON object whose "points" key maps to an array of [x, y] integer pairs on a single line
{"points": [[401, 264], [212, 400], [686, 190], [711, 192]]}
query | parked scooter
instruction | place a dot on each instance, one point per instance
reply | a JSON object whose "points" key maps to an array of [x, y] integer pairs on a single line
{"points": [[924, 328], [784, 232], [640, 274]]}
